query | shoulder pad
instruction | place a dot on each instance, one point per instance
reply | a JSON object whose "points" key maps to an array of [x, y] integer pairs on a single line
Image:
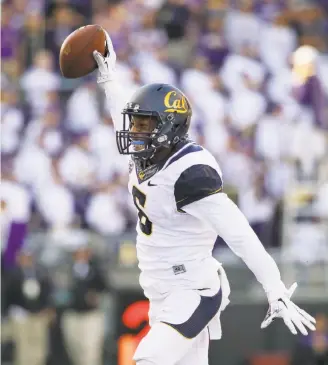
{"points": [[195, 183]]}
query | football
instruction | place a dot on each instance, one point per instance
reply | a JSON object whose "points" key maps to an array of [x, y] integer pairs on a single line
{"points": [[75, 57]]}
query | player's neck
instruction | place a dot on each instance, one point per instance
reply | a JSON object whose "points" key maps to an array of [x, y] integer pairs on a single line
{"points": [[161, 155]]}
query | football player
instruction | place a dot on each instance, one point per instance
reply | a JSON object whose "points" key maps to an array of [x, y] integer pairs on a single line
{"points": [[177, 189]]}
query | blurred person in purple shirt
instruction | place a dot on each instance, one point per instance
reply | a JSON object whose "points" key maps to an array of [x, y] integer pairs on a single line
{"points": [[11, 47], [148, 38], [212, 43], [20, 10], [116, 21], [267, 10], [15, 213], [307, 85], [313, 349]]}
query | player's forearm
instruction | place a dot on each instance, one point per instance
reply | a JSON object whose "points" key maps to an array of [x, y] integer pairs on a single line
{"points": [[107, 80], [230, 223], [115, 97]]}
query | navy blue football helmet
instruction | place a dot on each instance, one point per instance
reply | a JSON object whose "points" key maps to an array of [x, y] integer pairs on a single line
{"points": [[170, 109]]}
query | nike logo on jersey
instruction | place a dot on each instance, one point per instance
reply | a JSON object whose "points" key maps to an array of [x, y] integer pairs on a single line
{"points": [[150, 184]]}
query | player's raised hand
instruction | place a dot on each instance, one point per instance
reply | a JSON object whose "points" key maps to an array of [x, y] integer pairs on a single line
{"points": [[106, 64], [293, 316]]}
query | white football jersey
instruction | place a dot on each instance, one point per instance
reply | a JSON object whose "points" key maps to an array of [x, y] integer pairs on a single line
{"points": [[173, 247], [176, 238]]}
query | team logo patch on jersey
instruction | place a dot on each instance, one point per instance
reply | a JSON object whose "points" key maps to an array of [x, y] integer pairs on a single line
{"points": [[175, 105], [147, 173], [179, 269], [141, 175]]}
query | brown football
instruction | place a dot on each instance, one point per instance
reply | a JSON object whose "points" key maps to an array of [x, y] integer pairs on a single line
{"points": [[75, 57]]}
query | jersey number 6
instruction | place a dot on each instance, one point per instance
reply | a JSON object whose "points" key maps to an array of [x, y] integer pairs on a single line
{"points": [[139, 199]]}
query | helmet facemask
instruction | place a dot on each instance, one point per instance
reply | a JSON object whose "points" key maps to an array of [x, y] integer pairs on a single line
{"points": [[134, 139]]}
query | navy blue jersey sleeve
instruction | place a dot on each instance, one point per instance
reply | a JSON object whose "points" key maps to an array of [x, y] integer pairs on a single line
{"points": [[195, 183]]}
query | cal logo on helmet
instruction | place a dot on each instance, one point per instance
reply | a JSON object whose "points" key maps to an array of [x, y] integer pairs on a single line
{"points": [[174, 104]]}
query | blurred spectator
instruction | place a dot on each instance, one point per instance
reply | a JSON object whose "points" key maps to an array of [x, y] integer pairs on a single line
{"points": [[77, 166], [245, 109], [237, 167], [279, 178], [273, 135], [196, 79], [103, 213], [19, 11], [12, 57], [83, 108], [45, 132], [148, 38], [15, 214], [61, 20], [103, 147], [308, 228], [212, 43], [243, 26], [313, 349], [276, 44], [173, 17], [268, 10], [12, 121], [212, 106], [308, 160], [308, 88], [55, 201], [259, 207], [66, 237], [242, 70], [312, 27], [39, 80], [33, 35], [32, 166], [117, 20], [156, 69], [83, 322], [30, 309], [279, 90]]}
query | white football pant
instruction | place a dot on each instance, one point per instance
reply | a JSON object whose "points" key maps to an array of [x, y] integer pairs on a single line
{"points": [[163, 345], [179, 333]]}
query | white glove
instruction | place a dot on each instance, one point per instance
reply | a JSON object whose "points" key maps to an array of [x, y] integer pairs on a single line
{"points": [[106, 64], [292, 315]]}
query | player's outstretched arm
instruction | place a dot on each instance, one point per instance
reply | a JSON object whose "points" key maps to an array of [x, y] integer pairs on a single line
{"points": [[107, 80], [229, 222]]}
